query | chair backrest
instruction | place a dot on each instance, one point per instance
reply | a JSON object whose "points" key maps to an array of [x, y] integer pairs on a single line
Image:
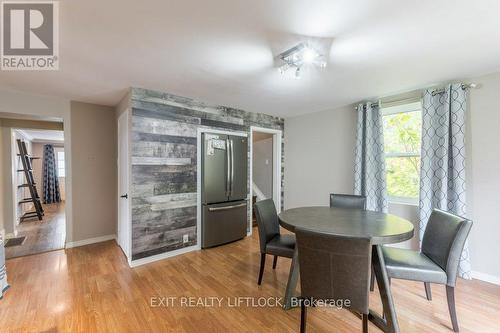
{"points": [[267, 222], [334, 268], [348, 201], [444, 240]]}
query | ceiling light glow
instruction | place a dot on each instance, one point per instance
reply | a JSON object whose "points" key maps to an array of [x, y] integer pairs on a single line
{"points": [[309, 55], [299, 56]]}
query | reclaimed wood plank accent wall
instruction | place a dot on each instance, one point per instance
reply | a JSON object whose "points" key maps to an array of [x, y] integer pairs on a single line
{"points": [[164, 165]]}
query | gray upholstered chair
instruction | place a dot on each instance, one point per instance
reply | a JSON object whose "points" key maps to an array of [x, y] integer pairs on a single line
{"points": [[438, 261], [348, 201], [271, 241], [334, 268]]}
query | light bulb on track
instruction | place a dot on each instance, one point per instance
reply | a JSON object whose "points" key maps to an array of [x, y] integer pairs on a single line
{"points": [[297, 73], [309, 55], [298, 56]]}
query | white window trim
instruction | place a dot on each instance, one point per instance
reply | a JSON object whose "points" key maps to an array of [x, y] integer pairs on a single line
{"points": [[403, 201], [404, 108], [56, 151], [390, 155]]}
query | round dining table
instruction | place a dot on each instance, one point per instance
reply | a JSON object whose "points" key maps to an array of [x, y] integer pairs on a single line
{"points": [[381, 228]]}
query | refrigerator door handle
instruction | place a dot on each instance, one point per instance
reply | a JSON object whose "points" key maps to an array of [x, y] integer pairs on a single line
{"points": [[228, 165], [232, 167], [215, 209]]}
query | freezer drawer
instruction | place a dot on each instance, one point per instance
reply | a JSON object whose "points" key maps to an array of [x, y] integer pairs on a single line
{"points": [[223, 223]]}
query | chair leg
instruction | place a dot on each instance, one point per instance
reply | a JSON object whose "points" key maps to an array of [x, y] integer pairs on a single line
{"points": [[303, 316], [365, 323], [428, 292], [275, 261], [450, 295], [262, 265], [388, 279], [372, 280]]}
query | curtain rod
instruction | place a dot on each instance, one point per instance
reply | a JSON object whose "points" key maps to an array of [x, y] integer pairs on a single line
{"points": [[465, 86]]}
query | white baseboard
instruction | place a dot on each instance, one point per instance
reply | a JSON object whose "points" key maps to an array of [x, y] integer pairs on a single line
{"points": [[88, 241], [161, 256], [486, 277]]}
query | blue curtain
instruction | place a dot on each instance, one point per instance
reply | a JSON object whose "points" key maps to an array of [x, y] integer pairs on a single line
{"points": [[51, 192], [369, 168], [442, 172]]}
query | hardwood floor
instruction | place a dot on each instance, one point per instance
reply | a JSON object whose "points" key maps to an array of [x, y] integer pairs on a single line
{"points": [[92, 289], [41, 236]]}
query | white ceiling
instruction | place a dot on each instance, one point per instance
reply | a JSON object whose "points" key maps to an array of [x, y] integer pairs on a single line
{"points": [[43, 135], [221, 51]]}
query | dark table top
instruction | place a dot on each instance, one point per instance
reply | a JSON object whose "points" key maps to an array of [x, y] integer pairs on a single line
{"points": [[380, 227]]}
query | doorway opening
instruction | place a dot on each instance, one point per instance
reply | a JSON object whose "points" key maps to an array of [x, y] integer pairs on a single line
{"points": [[265, 167], [34, 183]]}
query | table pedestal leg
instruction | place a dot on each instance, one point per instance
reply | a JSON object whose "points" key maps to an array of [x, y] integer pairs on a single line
{"points": [[291, 286], [390, 322]]}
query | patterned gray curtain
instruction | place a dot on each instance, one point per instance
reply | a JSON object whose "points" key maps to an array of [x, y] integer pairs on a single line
{"points": [[369, 168], [442, 172], [51, 192], [3, 271]]}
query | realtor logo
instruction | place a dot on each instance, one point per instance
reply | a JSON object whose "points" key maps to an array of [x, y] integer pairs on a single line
{"points": [[30, 35]]}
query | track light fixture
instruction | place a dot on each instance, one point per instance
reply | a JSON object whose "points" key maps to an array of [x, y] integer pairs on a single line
{"points": [[299, 56]]}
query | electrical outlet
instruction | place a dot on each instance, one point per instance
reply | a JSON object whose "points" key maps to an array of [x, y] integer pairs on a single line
{"points": [[185, 238]]}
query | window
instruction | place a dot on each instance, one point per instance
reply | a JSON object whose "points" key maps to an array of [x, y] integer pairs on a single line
{"points": [[402, 137], [61, 171]]}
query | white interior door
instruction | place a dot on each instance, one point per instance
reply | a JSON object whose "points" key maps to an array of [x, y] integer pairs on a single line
{"points": [[124, 226]]}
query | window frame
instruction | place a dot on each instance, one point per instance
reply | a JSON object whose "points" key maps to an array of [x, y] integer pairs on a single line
{"points": [[413, 106], [58, 150]]}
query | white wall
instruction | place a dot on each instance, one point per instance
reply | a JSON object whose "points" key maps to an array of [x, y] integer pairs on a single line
{"points": [[319, 156], [410, 213], [484, 175], [94, 148], [262, 169]]}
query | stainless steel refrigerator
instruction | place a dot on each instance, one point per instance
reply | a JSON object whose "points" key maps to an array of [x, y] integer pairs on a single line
{"points": [[224, 189]]}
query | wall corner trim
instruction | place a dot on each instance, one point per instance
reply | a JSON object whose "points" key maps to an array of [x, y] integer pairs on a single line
{"points": [[161, 256], [486, 277], [89, 241]]}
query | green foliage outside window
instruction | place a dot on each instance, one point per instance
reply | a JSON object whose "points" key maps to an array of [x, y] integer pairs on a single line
{"points": [[402, 136]]}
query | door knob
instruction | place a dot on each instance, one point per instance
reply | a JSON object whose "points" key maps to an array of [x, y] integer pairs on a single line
{"points": [[124, 196]]}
